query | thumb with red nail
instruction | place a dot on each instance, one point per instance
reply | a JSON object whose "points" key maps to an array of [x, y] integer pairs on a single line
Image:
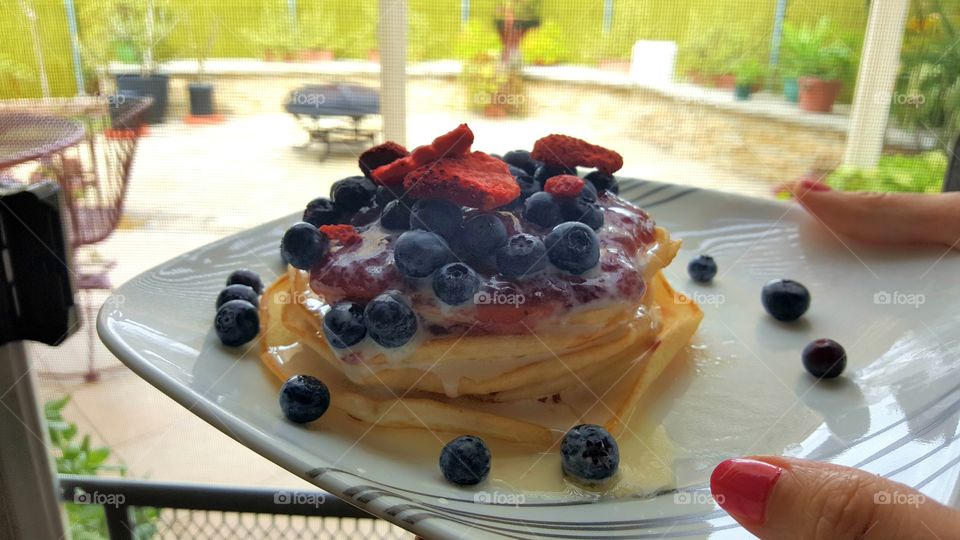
{"points": [[778, 497]]}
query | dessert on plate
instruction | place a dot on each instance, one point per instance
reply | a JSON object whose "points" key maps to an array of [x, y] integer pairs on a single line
{"points": [[457, 291]]}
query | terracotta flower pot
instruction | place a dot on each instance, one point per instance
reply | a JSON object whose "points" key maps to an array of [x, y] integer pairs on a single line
{"points": [[818, 95], [726, 82]]}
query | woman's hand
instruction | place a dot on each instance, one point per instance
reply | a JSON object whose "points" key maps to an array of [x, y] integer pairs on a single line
{"points": [[778, 497], [895, 218]]}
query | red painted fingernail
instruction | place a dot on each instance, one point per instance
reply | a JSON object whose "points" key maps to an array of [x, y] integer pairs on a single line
{"points": [[814, 185], [742, 486]]}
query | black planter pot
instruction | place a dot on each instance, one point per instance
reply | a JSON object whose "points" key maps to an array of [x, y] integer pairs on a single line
{"points": [[156, 86], [201, 99]]}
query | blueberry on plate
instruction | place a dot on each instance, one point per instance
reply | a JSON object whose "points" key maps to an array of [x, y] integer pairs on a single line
{"points": [[455, 283], [542, 209], [573, 247], [544, 172], [396, 216], [702, 268], [437, 215], [418, 253], [246, 277], [386, 194], [785, 299], [824, 358], [391, 321], [465, 461], [524, 255], [589, 453], [522, 160], [321, 211], [238, 292], [602, 181], [303, 246], [517, 171], [527, 186], [343, 325], [237, 322], [482, 235], [583, 210], [589, 192], [304, 398], [352, 193]]}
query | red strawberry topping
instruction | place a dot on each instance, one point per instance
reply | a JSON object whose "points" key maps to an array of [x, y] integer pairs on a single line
{"points": [[455, 143], [565, 186], [563, 150], [381, 155], [476, 180], [346, 235]]}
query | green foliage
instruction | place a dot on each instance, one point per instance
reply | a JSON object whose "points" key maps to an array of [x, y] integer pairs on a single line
{"points": [[478, 38], [815, 51], [546, 45], [76, 455], [718, 42], [749, 72], [921, 173], [488, 84], [928, 89]]}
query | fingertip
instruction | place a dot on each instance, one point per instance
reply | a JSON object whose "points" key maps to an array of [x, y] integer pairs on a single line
{"points": [[741, 486]]}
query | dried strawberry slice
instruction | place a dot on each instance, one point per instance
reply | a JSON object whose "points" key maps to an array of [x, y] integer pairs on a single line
{"points": [[392, 174], [564, 185], [380, 155], [566, 151], [346, 235], [476, 180], [454, 143]]}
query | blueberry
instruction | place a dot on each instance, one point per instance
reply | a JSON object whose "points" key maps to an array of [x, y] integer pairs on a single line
{"points": [[455, 283], [589, 453], [589, 192], [390, 320], [517, 171], [573, 247], [702, 268], [524, 255], [465, 461], [602, 181], [824, 358], [544, 172], [418, 253], [437, 215], [303, 246], [542, 209], [785, 299], [304, 398], [584, 211], [527, 186], [522, 160], [238, 292], [321, 211], [237, 322], [386, 194], [482, 235], [396, 216], [343, 325], [246, 277], [352, 193]]}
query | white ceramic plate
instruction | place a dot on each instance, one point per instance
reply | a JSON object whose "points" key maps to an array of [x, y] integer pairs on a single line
{"points": [[743, 391]]}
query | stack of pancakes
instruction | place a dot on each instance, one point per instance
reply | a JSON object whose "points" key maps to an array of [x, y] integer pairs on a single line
{"points": [[590, 364]]}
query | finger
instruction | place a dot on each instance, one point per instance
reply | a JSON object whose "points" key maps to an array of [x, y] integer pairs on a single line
{"points": [[776, 497], [889, 218]]}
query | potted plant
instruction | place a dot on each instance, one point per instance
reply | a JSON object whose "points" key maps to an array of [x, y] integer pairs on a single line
{"points": [[748, 75], [317, 33], [820, 60], [545, 46], [201, 89], [146, 24]]}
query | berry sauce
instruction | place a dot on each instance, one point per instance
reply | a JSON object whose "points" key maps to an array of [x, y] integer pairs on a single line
{"points": [[361, 271]]}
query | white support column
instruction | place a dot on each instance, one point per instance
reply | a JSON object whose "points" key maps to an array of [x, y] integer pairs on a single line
{"points": [[393, 69], [879, 65]]}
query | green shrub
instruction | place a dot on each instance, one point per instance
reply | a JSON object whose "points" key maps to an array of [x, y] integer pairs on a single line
{"points": [[920, 173], [546, 45], [74, 456], [478, 38], [815, 51]]}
